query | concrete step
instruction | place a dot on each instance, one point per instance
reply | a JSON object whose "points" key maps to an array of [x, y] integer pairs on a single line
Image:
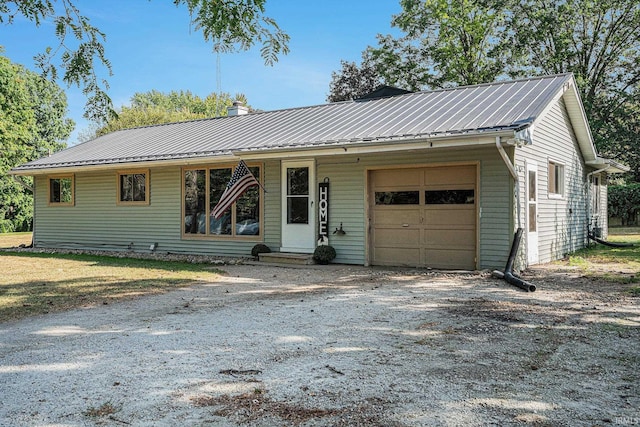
{"points": [[286, 258]]}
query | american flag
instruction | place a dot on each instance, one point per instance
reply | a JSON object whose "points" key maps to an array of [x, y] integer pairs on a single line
{"points": [[241, 180]]}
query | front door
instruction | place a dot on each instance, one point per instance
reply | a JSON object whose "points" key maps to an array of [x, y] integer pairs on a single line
{"points": [[532, 212], [298, 213]]}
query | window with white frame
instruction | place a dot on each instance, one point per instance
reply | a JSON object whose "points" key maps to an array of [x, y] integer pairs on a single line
{"points": [[556, 179]]}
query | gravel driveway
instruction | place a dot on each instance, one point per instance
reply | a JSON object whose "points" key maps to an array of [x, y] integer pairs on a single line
{"points": [[333, 346]]}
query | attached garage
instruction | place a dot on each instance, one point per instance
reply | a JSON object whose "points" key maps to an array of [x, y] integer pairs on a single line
{"points": [[424, 216]]}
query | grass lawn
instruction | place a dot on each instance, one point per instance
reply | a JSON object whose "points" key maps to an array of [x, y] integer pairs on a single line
{"points": [[612, 264], [36, 283], [13, 240]]}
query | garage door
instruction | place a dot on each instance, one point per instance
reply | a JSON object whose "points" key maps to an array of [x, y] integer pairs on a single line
{"points": [[424, 217]]}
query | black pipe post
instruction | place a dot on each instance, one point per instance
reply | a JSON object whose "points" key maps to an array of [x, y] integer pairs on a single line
{"points": [[508, 275]]}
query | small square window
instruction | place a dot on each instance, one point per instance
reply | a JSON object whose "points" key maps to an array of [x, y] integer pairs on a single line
{"points": [[556, 179], [61, 190], [133, 187]]}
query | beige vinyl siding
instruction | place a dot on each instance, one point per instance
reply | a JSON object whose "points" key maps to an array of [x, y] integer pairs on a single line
{"points": [[562, 221]]}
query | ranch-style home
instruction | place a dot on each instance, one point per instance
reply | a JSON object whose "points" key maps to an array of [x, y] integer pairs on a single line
{"points": [[438, 179]]}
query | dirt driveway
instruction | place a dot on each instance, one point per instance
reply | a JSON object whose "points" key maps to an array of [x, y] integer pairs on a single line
{"points": [[333, 346]]}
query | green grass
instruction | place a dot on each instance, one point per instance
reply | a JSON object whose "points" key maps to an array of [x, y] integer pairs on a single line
{"points": [[39, 283], [615, 265], [604, 254]]}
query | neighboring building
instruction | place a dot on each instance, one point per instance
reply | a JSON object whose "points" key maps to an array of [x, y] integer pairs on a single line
{"points": [[436, 179]]}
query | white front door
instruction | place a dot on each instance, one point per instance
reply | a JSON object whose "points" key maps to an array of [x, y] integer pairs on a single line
{"points": [[532, 212], [298, 213]]}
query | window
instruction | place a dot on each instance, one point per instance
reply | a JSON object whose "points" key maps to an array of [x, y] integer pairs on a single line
{"points": [[133, 188], [449, 197], [298, 195], [61, 189], [397, 197], [556, 179], [595, 196], [202, 190]]}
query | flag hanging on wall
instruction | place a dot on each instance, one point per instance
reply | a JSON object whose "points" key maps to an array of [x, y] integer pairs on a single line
{"points": [[241, 180]]}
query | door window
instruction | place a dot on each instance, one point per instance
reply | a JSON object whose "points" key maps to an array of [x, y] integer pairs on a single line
{"points": [[533, 201], [298, 195]]}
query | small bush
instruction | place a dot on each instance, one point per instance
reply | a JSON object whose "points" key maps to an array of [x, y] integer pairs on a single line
{"points": [[258, 249], [324, 254]]}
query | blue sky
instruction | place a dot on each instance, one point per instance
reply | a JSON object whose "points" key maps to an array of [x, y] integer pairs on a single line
{"points": [[151, 46]]}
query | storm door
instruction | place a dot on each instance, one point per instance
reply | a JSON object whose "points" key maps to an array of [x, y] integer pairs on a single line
{"points": [[298, 213]]}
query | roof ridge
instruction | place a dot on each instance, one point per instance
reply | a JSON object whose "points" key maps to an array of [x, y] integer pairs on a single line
{"points": [[329, 104], [495, 83]]}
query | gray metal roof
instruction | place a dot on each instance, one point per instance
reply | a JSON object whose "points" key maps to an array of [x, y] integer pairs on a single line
{"points": [[458, 111]]}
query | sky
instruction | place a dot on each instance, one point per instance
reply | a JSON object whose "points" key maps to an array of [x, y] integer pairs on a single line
{"points": [[151, 45]]}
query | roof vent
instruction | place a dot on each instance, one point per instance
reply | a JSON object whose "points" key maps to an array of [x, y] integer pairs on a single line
{"points": [[238, 109]]}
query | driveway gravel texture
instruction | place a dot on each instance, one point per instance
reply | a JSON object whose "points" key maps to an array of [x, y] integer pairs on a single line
{"points": [[334, 346]]}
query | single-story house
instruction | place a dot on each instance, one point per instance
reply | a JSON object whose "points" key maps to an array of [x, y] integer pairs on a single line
{"points": [[437, 179]]}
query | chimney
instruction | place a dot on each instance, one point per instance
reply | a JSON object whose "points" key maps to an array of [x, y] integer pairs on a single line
{"points": [[238, 109]]}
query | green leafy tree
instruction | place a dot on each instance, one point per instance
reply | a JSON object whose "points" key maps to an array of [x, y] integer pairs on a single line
{"points": [[458, 42], [624, 202], [445, 43], [155, 107], [33, 123], [353, 80], [599, 42], [231, 25]]}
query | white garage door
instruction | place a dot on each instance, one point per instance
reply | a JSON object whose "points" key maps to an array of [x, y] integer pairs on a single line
{"points": [[424, 217]]}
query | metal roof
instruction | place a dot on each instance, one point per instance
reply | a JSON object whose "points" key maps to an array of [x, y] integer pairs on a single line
{"points": [[468, 110]]}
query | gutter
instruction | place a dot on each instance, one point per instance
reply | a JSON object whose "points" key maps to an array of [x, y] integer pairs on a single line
{"points": [[325, 148]]}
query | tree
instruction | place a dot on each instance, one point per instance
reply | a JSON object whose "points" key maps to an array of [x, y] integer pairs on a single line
{"points": [[353, 81], [459, 42], [155, 107], [599, 42], [445, 43], [231, 25], [32, 124]]}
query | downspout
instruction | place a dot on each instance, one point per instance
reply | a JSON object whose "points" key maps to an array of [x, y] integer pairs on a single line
{"points": [[508, 275]]}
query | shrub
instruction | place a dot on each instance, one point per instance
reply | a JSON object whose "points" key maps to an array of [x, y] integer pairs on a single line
{"points": [[324, 254], [258, 249]]}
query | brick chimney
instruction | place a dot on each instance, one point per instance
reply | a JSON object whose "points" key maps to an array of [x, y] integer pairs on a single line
{"points": [[238, 109]]}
